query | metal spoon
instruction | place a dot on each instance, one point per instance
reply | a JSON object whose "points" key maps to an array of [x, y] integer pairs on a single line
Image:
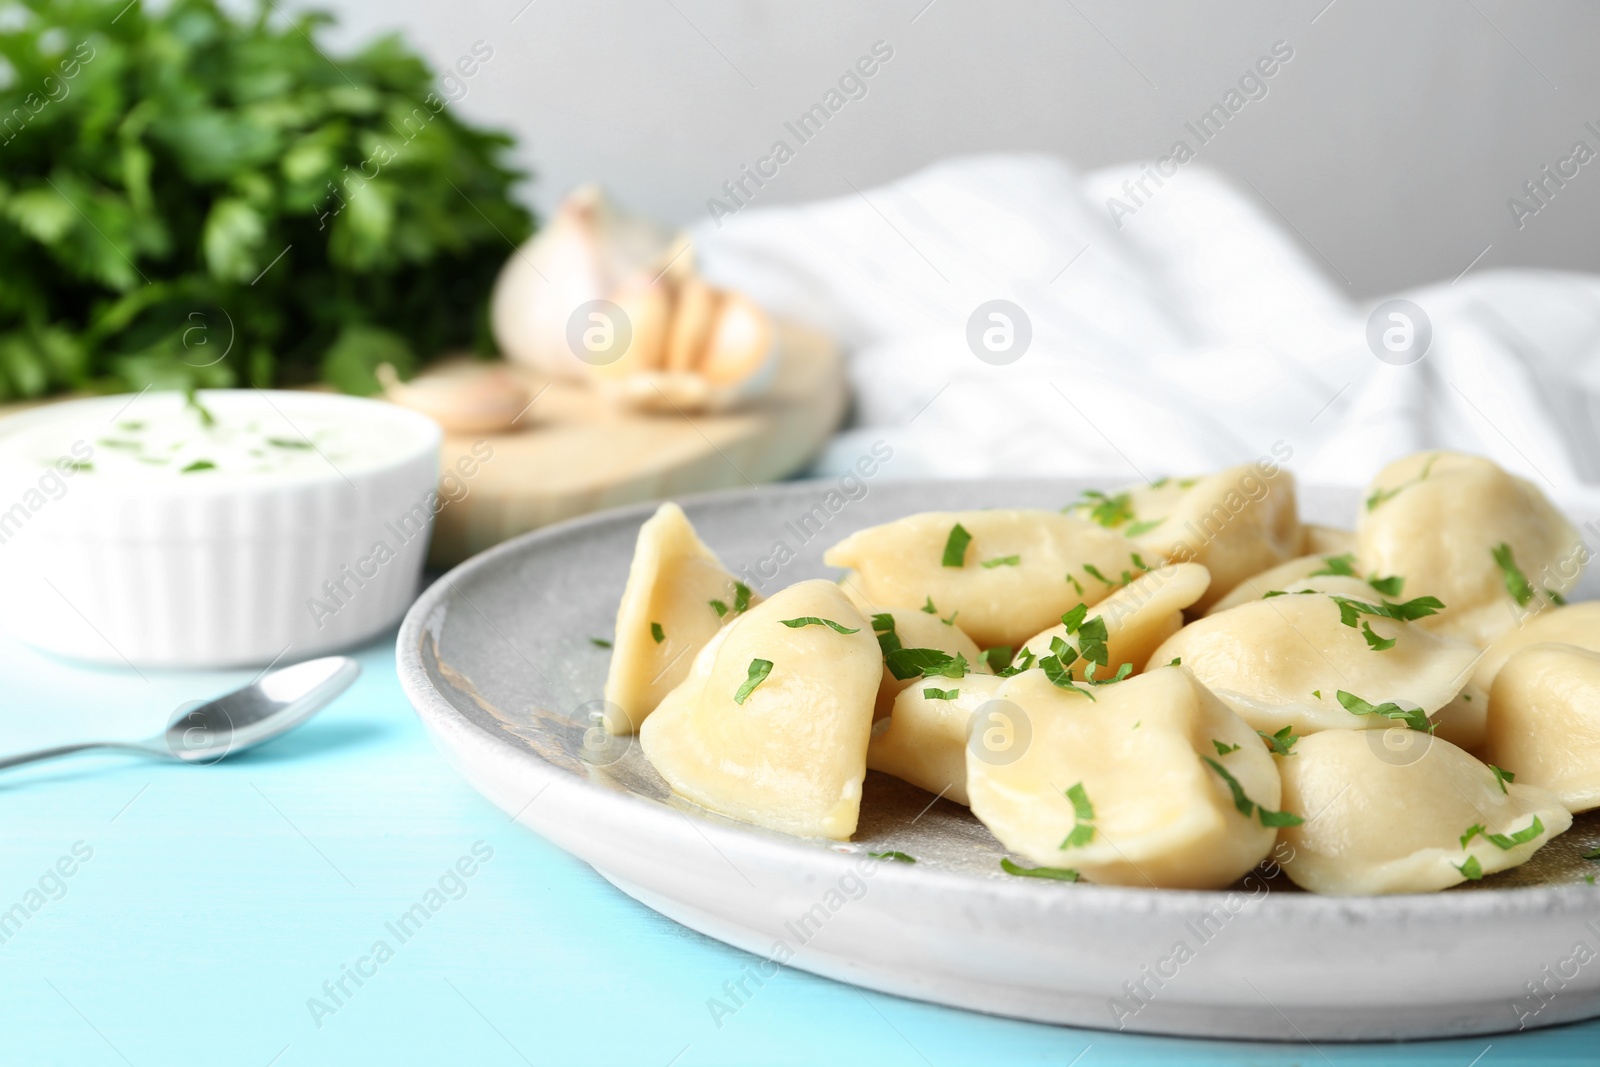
{"points": [[271, 705]]}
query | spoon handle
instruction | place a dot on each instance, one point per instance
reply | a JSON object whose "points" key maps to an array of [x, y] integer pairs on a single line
{"points": [[63, 750]]}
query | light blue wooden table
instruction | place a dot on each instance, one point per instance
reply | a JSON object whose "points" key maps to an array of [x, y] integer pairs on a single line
{"points": [[206, 908]]}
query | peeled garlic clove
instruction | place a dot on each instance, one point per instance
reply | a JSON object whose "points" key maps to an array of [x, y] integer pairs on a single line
{"points": [[463, 398], [740, 340], [691, 324], [648, 308], [583, 253], [659, 392]]}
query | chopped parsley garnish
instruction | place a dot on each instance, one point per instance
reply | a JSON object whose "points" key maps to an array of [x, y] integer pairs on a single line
{"points": [[131, 425], [741, 598], [599, 642], [79, 465], [1136, 528], [1159, 482], [1083, 815], [1502, 841], [759, 669], [1595, 855], [1282, 742], [1094, 572], [1001, 561], [907, 663], [1248, 807], [199, 465], [1317, 693], [720, 608], [1074, 618], [892, 854], [1057, 666], [883, 628], [1374, 642], [1389, 586], [951, 621], [1138, 561], [1177, 661], [1501, 777], [812, 620], [1471, 870], [1380, 495], [929, 608], [192, 400], [1517, 583], [1555, 598], [1188, 483], [955, 546], [1092, 639], [113, 442], [1222, 749], [941, 694], [1025, 661], [1060, 874], [999, 657], [657, 632], [1074, 583], [1344, 566], [284, 442], [1121, 675], [1406, 611], [1415, 718], [1108, 511]]}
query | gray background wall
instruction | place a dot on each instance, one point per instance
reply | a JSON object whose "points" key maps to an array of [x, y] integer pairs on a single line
{"points": [[1390, 142]]}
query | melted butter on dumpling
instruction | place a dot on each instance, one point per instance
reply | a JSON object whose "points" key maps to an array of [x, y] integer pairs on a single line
{"points": [[1437, 518], [672, 582], [1138, 618], [1039, 564], [1137, 756], [1282, 662], [925, 739], [1383, 823], [789, 753], [1237, 522], [1544, 722]]}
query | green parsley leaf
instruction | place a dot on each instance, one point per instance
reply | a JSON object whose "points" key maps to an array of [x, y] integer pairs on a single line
{"points": [[1343, 566], [1248, 807], [1389, 586], [1282, 742], [1083, 815], [1317, 693], [1595, 855], [1374, 642], [1138, 561], [1555, 598], [1379, 496], [1092, 638], [720, 608], [1094, 572], [906, 663], [191, 399], [955, 546], [759, 669], [1060, 674], [1505, 842], [199, 465], [951, 621], [1414, 718], [1074, 583], [1517, 583], [1407, 611], [741, 598], [657, 632], [1108, 511], [1472, 831], [1025, 661], [1188, 483], [1222, 749], [1270, 593], [1501, 777], [812, 620], [941, 694], [883, 627], [1059, 874], [1121, 675], [999, 657], [929, 608], [1137, 528], [599, 642], [1278, 818], [892, 854], [1177, 661], [1000, 561], [285, 442], [1074, 618], [1472, 870]]}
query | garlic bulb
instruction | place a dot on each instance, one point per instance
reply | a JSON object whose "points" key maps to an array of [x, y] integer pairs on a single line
{"points": [[585, 253], [462, 397]]}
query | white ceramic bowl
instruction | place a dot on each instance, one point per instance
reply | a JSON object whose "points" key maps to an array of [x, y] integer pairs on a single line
{"points": [[285, 549]]}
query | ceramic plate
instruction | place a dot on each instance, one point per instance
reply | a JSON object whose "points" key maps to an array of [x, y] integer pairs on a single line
{"points": [[497, 659]]}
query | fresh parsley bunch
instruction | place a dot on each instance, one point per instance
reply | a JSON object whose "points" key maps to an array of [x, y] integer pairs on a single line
{"points": [[190, 198]]}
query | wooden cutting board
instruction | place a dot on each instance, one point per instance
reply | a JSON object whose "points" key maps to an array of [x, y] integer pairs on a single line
{"points": [[575, 453]]}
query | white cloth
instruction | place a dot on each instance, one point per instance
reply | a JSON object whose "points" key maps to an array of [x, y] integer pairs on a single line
{"points": [[1195, 335]]}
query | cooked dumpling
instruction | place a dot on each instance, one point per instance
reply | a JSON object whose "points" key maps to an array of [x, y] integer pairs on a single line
{"points": [[1324, 573], [919, 629], [1237, 522], [1327, 540], [771, 725], [1459, 528], [925, 740], [1283, 661], [1010, 573], [1126, 789], [1137, 619], [678, 595], [1462, 722], [1544, 722], [1575, 624], [1380, 825]]}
